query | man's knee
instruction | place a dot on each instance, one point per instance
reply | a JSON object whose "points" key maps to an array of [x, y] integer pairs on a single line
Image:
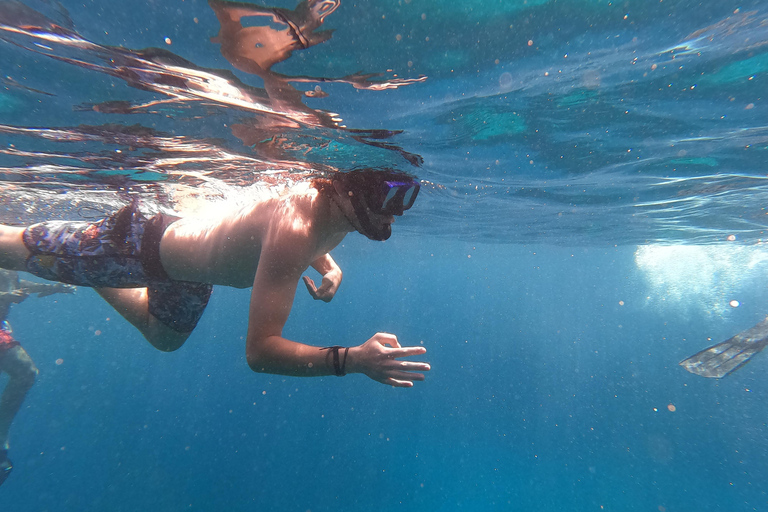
{"points": [[27, 377], [163, 337], [23, 372], [168, 344]]}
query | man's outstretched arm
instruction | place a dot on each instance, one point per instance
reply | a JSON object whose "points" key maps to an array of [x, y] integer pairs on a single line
{"points": [[269, 352], [45, 289]]}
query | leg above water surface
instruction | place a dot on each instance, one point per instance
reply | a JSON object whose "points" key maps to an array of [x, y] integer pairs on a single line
{"points": [[13, 252]]}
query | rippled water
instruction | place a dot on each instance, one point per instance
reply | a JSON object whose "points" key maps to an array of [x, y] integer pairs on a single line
{"points": [[586, 122]]}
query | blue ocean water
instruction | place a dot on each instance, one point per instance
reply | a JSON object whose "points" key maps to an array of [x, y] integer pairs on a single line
{"points": [[592, 203]]}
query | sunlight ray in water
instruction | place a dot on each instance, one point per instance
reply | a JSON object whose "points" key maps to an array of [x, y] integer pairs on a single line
{"points": [[704, 279]]}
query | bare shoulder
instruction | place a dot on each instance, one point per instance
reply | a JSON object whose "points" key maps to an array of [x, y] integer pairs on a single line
{"points": [[295, 230]]}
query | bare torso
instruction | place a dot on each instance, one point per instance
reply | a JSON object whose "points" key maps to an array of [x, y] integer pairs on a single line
{"points": [[224, 248]]}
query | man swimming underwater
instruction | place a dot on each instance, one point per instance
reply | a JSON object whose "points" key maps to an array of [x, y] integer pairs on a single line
{"points": [[158, 273]]}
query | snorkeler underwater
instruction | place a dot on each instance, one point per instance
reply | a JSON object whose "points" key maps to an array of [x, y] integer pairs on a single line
{"points": [[158, 272], [411, 255]]}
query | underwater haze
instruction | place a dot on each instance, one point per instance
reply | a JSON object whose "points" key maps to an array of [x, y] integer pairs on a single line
{"points": [[592, 211]]}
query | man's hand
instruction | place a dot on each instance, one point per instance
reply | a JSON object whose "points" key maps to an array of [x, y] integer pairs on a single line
{"points": [[56, 288], [380, 362], [327, 289], [19, 295]]}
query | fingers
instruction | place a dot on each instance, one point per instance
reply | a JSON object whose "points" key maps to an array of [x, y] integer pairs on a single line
{"points": [[323, 293], [383, 351], [311, 288], [396, 353], [397, 350], [387, 339], [404, 376], [403, 380], [412, 366], [399, 383]]}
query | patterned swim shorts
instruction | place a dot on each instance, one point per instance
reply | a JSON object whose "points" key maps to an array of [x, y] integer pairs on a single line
{"points": [[6, 341], [121, 251]]}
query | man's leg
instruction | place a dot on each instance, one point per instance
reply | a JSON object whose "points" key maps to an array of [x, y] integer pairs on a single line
{"points": [[22, 371], [13, 252], [133, 305], [19, 366]]}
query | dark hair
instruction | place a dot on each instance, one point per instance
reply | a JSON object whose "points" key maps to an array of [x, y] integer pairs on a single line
{"points": [[362, 180], [369, 179]]}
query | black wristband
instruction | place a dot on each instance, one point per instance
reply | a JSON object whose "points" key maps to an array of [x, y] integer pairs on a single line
{"points": [[339, 369]]}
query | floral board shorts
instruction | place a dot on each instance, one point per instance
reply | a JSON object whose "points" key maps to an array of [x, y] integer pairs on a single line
{"points": [[121, 251]]}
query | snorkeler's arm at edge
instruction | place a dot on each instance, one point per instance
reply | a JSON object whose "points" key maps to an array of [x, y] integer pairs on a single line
{"points": [[45, 289], [332, 276], [267, 351]]}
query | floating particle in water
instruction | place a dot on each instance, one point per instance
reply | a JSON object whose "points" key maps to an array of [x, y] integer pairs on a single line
{"points": [[167, 40], [731, 238], [621, 303], [317, 92], [734, 303], [59, 361], [671, 408]]}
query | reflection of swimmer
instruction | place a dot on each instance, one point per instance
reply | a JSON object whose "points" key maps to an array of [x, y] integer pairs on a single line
{"points": [[255, 48], [14, 360], [158, 273], [719, 360], [253, 38]]}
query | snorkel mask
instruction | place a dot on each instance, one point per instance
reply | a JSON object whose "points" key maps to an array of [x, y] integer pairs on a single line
{"points": [[378, 192], [394, 197]]}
